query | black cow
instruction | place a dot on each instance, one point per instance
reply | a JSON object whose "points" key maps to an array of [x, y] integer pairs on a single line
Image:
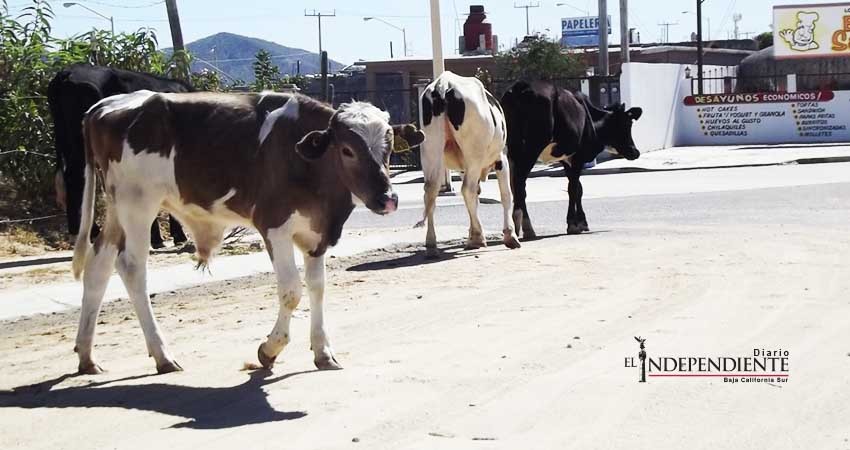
{"points": [[70, 94], [548, 123]]}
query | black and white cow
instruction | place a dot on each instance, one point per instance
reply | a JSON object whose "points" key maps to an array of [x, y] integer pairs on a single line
{"points": [[286, 165], [465, 130], [70, 94], [550, 124]]}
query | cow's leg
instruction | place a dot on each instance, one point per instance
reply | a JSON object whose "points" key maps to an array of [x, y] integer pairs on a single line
{"points": [[279, 243], [503, 174], [581, 220], [135, 211], [433, 168], [314, 278], [572, 190], [470, 189], [176, 230], [519, 175], [95, 279], [432, 190], [156, 236]]}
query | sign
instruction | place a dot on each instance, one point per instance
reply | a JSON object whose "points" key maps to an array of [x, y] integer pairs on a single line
{"points": [[765, 118], [801, 31], [581, 31]]}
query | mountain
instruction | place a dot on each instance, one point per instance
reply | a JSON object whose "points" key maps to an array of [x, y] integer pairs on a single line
{"points": [[234, 54]]}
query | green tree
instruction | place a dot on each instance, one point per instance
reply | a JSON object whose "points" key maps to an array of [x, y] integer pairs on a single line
{"points": [[266, 73], [765, 40], [207, 80], [537, 58]]}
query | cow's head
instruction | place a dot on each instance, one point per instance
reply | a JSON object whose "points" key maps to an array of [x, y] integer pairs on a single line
{"points": [[359, 139], [618, 130]]}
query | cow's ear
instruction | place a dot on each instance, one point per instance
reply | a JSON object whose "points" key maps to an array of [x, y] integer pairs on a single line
{"points": [[634, 113], [314, 145], [410, 134]]}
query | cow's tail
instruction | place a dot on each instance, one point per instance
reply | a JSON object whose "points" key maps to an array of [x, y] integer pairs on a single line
{"points": [[83, 246]]}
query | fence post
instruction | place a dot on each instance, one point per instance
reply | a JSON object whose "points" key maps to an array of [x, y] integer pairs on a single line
{"points": [[791, 83], [727, 85]]}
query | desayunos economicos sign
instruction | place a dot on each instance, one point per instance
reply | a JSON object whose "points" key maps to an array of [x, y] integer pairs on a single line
{"points": [[764, 118]]}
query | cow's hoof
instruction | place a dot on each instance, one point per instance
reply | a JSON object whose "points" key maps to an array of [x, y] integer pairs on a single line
{"points": [[266, 361], [89, 369], [583, 226], [157, 245], [512, 243], [529, 236], [474, 243], [328, 362], [573, 229], [431, 253], [168, 367]]}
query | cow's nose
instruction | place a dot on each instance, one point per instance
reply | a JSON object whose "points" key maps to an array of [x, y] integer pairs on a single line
{"points": [[390, 202]]}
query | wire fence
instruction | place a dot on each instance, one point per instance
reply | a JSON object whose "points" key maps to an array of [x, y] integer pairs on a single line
{"points": [[735, 83]]}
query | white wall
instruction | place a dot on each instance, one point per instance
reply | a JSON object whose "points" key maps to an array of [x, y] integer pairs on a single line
{"points": [[661, 89], [655, 89]]}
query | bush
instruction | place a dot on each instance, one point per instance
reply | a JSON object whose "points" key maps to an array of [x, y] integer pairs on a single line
{"points": [[29, 58], [537, 59]]}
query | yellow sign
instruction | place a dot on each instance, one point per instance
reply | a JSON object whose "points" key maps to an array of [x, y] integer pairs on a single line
{"points": [[801, 31]]}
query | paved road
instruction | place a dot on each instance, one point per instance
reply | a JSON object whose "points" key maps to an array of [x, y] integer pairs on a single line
{"points": [[489, 348], [822, 204]]}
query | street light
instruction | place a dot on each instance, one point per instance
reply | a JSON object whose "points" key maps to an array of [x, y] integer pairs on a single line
{"points": [[403, 32], [109, 18], [587, 13], [707, 20]]}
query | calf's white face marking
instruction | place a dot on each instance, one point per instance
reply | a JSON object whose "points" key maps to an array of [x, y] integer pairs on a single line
{"points": [[289, 110], [369, 122]]}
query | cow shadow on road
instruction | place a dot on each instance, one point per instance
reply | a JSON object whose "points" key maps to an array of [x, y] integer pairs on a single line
{"points": [[204, 407], [445, 252]]}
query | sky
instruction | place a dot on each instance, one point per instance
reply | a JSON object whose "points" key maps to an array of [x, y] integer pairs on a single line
{"points": [[348, 38]]}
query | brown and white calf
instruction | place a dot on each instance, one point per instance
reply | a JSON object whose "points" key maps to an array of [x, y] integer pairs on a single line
{"points": [[465, 130], [286, 165]]}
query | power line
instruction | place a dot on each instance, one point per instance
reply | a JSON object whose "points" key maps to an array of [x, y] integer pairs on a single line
{"points": [[729, 10], [526, 7], [114, 5], [319, 15], [665, 36]]}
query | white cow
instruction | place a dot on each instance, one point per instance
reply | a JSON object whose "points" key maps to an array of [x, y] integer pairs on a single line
{"points": [[465, 130]]}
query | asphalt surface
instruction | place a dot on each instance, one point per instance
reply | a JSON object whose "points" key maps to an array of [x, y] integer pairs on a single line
{"points": [[824, 204]]}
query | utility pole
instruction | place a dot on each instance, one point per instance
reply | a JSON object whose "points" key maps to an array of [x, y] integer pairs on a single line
{"points": [[176, 31], [665, 36], [603, 38], [736, 18], [624, 32], [439, 65], [699, 46], [526, 7], [319, 16]]}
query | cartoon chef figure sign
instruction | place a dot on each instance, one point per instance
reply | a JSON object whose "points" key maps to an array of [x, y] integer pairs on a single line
{"points": [[802, 38]]}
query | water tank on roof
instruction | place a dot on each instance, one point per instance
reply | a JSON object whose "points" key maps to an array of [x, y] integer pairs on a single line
{"points": [[477, 32]]}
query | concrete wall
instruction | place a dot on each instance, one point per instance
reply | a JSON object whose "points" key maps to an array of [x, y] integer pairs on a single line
{"points": [[654, 88]]}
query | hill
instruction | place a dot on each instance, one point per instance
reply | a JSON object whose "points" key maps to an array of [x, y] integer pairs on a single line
{"points": [[234, 54]]}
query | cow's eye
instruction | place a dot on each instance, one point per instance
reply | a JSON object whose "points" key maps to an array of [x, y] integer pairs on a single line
{"points": [[347, 152]]}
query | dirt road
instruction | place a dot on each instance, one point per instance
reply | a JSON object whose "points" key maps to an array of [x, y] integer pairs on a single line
{"points": [[487, 349]]}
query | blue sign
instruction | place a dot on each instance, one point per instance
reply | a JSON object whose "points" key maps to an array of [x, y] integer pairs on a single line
{"points": [[581, 31]]}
